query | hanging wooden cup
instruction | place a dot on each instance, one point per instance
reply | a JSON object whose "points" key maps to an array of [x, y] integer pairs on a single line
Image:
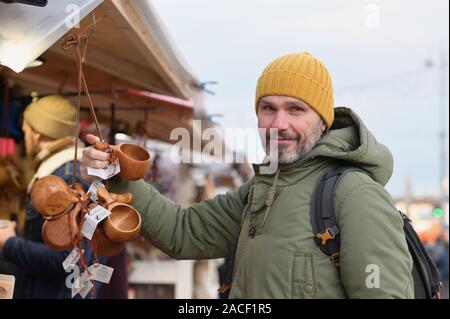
{"points": [[125, 198], [59, 233], [124, 223], [106, 198], [78, 190], [51, 195], [103, 245], [134, 160]]}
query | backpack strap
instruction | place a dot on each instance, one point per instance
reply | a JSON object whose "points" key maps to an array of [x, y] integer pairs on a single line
{"points": [[427, 284], [323, 221]]}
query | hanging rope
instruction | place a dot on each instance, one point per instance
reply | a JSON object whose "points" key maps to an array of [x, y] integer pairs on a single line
{"points": [[79, 42], [5, 127]]}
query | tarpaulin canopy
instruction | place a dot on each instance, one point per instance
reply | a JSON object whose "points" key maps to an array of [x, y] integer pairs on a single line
{"points": [[130, 63], [27, 31]]}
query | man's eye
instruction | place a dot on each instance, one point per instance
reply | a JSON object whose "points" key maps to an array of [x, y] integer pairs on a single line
{"points": [[295, 109], [268, 108]]}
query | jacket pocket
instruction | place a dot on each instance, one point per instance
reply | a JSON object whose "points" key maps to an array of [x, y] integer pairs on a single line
{"points": [[304, 282]]}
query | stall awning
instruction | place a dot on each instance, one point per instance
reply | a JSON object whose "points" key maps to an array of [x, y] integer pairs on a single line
{"points": [[130, 62]]}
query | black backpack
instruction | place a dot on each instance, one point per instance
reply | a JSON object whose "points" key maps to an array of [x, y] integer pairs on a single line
{"points": [[425, 273]]}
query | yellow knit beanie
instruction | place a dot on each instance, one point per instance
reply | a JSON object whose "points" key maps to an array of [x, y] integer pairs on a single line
{"points": [[301, 76], [53, 116]]}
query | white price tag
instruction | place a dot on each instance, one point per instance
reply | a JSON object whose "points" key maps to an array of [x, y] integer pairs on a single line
{"points": [[86, 289], [91, 221], [77, 285], [107, 172], [101, 273], [89, 227], [82, 285], [99, 213], [72, 258], [93, 190]]}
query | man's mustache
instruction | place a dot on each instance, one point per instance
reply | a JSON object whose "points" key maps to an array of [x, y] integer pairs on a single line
{"points": [[283, 135]]}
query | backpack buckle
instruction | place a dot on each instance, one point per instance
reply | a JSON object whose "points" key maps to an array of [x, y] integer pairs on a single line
{"points": [[335, 260], [329, 233], [224, 288], [440, 291]]}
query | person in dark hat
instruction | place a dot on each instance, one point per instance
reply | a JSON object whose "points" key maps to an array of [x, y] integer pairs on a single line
{"points": [[49, 126]]}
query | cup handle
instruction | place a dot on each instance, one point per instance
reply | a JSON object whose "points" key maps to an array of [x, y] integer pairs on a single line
{"points": [[104, 196], [101, 146]]}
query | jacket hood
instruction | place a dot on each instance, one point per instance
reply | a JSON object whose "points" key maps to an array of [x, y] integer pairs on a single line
{"points": [[349, 140]]}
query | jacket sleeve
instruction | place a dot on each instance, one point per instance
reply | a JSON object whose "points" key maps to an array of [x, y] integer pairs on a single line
{"points": [[35, 257], [205, 230], [375, 260]]}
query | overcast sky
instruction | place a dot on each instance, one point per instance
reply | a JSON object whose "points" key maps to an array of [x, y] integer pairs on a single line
{"points": [[374, 50]]}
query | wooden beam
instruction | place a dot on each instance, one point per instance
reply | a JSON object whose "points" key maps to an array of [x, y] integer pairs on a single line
{"points": [[120, 68], [126, 15], [59, 72]]}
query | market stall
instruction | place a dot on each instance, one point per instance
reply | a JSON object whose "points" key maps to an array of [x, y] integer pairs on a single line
{"points": [[138, 82]]}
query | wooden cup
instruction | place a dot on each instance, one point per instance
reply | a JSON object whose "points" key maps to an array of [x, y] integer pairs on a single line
{"points": [[124, 223], [51, 195], [60, 232], [134, 160], [103, 245]]}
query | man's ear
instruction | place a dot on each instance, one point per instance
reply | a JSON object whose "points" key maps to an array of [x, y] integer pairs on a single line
{"points": [[324, 127], [37, 137], [257, 108]]}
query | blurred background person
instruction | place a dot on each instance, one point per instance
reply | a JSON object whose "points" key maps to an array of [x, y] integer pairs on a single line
{"points": [[48, 126]]}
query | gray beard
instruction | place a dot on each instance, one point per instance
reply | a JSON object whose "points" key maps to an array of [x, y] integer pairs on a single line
{"points": [[302, 149]]}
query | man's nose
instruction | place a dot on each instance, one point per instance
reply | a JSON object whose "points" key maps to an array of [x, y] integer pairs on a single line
{"points": [[281, 121]]}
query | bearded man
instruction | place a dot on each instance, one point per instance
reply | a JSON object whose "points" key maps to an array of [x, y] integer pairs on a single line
{"points": [[268, 218]]}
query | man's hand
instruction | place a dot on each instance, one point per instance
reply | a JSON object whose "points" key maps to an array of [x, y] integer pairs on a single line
{"points": [[92, 158], [6, 233]]}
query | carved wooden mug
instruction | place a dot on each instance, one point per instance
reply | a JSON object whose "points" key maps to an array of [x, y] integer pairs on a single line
{"points": [[51, 195], [134, 160], [60, 233], [124, 223]]}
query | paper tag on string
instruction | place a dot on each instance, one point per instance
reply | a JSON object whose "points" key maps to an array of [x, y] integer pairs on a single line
{"points": [[99, 213], [77, 285], [92, 219], [101, 273], [72, 258], [93, 190], [107, 172], [86, 289], [74, 292], [82, 285], [89, 227]]}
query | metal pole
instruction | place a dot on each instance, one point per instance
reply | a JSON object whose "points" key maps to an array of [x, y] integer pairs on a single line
{"points": [[442, 131], [112, 129]]}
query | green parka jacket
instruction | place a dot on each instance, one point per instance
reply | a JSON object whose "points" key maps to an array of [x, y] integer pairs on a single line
{"points": [[277, 256]]}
